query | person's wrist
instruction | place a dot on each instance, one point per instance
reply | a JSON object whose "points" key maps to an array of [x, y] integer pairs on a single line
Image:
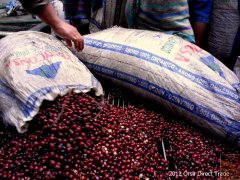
{"points": [[49, 16], [58, 24]]}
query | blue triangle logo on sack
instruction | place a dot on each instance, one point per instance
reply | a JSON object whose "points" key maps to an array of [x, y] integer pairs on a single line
{"points": [[47, 71], [210, 62]]}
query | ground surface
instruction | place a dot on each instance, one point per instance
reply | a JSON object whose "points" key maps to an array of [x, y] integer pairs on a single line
{"points": [[15, 23]]}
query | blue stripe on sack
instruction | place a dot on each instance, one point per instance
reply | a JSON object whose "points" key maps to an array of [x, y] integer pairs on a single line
{"points": [[184, 103], [162, 16], [236, 85], [7, 91], [160, 61], [30, 105], [11, 94]]}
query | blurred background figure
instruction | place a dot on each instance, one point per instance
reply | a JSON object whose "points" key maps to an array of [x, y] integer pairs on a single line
{"points": [[78, 12], [171, 16], [224, 32], [181, 17], [200, 14]]}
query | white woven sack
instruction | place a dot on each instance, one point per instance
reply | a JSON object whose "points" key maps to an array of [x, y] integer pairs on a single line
{"points": [[237, 68], [171, 71], [33, 67]]}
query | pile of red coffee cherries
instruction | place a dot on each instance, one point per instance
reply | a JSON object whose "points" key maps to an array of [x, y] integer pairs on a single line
{"points": [[81, 137]]}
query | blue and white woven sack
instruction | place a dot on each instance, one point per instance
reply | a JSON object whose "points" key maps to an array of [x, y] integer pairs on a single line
{"points": [[237, 68], [35, 66], [166, 69]]}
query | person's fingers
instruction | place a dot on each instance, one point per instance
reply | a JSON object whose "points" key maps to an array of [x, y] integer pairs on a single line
{"points": [[78, 46], [71, 35], [79, 43], [69, 43]]}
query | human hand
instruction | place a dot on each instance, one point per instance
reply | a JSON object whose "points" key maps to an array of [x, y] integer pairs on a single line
{"points": [[64, 30], [70, 34]]}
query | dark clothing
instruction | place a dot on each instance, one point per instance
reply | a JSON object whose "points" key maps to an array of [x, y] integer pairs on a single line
{"points": [[80, 9], [78, 12], [200, 10], [34, 6], [77, 9]]}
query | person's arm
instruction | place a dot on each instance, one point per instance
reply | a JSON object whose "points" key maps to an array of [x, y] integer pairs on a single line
{"points": [[200, 30], [200, 12], [61, 28], [44, 10]]}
